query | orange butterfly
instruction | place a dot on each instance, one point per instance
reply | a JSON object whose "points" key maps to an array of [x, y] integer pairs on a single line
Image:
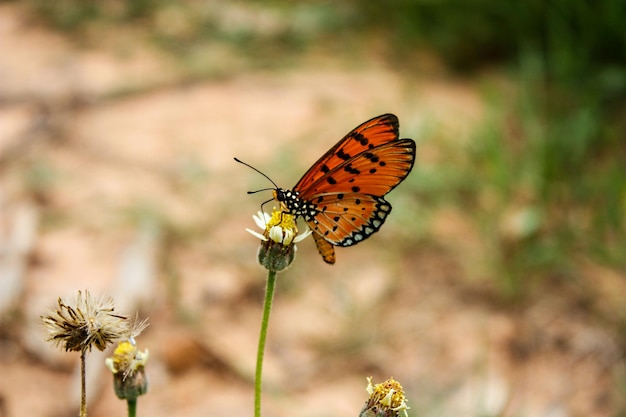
{"points": [[341, 195]]}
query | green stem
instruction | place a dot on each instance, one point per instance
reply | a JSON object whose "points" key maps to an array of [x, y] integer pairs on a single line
{"points": [[267, 307], [83, 385], [132, 407]]}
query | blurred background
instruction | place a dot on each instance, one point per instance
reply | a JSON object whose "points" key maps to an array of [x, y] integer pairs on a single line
{"points": [[496, 288]]}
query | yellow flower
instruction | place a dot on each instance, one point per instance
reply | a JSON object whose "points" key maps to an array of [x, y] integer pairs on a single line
{"points": [[280, 234], [127, 365], [386, 400], [126, 359]]}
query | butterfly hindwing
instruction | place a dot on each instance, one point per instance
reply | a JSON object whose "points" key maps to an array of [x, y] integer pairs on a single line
{"points": [[345, 220], [375, 132]]}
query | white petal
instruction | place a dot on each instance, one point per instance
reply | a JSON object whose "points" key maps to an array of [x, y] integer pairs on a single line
{"points": [[288, 237], [256, 234], [142, 357], [302, 236], [110, 364], [276, 234], [370, 387], [386, 401], [261, 219]]}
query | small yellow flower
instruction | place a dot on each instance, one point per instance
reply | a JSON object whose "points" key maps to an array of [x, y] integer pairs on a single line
{"points": [[127, 365], [126, 359], [386, 400], [280, 234]]}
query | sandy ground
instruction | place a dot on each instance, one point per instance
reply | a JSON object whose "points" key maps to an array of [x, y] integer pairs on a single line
{"points": [[117, 176]]}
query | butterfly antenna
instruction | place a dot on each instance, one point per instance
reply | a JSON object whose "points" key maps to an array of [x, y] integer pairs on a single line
{"points": [[264, 203], [268, 178]]}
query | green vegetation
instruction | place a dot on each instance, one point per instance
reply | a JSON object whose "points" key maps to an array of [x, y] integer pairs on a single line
{"points": [[552, 158]]}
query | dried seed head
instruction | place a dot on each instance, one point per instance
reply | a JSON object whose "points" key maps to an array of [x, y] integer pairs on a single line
{"points": [[84, 323]]}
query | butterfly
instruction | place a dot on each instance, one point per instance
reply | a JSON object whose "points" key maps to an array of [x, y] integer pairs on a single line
{"points": [[341, 197]]}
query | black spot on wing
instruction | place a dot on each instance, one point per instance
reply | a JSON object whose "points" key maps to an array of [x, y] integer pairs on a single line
{"points": [[343, 155], [372, 157], [383, 208], [360, 138], [350, 170]]}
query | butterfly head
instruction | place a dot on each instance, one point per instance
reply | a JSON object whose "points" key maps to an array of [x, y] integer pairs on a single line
{"points": [[288, 199]]}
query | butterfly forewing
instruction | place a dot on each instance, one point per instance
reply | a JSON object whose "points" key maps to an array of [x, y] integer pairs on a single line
{"points": [[373, 133], [376, 171]]}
